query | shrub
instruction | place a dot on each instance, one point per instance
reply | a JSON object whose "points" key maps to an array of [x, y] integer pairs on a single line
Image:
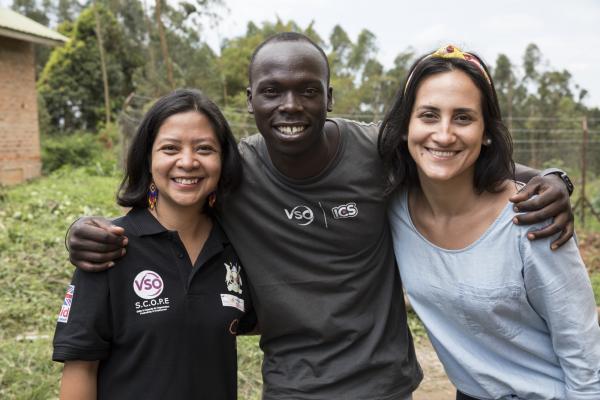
{"points": [[75, 150]]}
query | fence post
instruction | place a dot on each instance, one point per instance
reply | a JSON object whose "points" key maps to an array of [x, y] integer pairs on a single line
{"points": [[582, 198]]}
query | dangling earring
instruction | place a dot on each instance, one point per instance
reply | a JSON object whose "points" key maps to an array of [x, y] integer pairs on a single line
{"points": [[152, 196], [487, 141], [212, 198]]}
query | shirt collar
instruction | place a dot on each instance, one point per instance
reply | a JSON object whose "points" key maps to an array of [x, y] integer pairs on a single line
{"points": [[145, 224]]}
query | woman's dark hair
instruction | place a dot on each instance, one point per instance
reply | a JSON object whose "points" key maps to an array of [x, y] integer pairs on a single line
{"points": [[133, 191], [494, 164]]}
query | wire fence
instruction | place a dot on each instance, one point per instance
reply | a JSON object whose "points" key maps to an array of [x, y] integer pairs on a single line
{"points": [[569, 143]]}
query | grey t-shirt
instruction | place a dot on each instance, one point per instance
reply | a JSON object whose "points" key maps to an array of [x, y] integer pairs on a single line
{"points": [[319, 257]]}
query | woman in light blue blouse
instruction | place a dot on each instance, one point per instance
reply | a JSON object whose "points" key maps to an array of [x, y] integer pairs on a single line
{"points": [[508, 317]]}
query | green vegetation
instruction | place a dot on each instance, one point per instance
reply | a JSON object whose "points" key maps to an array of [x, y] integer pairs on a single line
{"points": [[77, 150], [35, 272]]}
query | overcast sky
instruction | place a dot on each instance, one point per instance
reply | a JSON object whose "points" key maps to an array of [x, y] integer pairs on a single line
{"points": [[567, 32]]}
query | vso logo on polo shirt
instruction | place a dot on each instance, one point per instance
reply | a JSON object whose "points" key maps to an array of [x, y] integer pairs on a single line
{"points": [[301, 214], [149, 285]]}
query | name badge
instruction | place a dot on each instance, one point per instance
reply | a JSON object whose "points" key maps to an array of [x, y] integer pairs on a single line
{"points": [[230, 300]]}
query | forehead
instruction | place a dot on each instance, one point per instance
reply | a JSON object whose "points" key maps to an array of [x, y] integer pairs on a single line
{"points": [[453, 89], [288, 60], [186, 124]]}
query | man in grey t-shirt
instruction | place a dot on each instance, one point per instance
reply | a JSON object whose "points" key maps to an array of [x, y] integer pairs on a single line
{"points": [[309, 224]]}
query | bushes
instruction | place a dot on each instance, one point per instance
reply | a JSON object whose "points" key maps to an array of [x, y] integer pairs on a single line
{"points": [[78, 150]]}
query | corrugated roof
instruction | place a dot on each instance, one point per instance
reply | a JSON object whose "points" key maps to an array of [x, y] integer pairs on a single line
{"points": [[17, 26]]}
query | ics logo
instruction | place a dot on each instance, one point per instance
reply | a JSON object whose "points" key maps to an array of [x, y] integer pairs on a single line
{"points": [[302, 215], [148, 284], [345, 211]]}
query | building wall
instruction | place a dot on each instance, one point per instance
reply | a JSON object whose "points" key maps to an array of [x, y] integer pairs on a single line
{"points": [[19, 131]]}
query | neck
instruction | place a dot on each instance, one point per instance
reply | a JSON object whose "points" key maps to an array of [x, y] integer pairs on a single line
{"points": [[448, 198], [310, 163]]}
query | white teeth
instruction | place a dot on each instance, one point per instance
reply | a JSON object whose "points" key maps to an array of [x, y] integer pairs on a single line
{"points": [[290, 130], [439, 153], [186, 181]]}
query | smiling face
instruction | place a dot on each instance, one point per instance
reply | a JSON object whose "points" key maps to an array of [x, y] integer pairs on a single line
{"points": [[186, 161], [289, 96], [446, 128]]}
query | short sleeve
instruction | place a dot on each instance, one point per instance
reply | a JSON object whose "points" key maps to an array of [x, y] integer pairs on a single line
{"points": [[249, 321], [83, 328]]}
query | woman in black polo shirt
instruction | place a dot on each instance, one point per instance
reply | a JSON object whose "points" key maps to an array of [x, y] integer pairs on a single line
{"points": [[162, 322]]}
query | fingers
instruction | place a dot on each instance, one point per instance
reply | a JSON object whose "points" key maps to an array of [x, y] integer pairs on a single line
{"points": [[91, 267], [533, 217], [529, 190], [564, 237], [95, 230], [546, 231], [563, 223], [546, 197], [117, 230], [94, 243], [93, 246], [83, 259]]}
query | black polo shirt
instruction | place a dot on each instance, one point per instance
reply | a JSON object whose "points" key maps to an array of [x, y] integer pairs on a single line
{"points": [[161, 328]]}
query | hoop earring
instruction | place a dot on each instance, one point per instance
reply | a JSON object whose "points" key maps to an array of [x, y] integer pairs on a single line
{"points": [[212, 198], [152, 196]]}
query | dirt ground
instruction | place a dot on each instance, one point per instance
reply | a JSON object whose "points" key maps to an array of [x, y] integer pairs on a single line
{"points": [[435, 385]]}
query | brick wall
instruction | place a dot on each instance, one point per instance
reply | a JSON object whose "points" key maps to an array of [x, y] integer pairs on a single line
{"points": [[19, 131]]}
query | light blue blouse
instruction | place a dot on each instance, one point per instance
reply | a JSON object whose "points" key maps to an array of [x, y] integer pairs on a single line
{"points": [[508, 317]]}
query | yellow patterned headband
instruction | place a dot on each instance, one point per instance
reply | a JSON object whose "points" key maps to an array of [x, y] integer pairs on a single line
{"points": [[451, 51]]}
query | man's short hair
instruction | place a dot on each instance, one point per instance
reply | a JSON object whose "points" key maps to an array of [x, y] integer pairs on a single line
{"points": [[287, 37]]}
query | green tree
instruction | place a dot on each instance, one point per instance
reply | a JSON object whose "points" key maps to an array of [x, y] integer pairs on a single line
{"points": [[71, 82]]}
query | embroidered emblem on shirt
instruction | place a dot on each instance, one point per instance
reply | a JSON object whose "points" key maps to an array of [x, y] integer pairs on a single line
{"points": [[233, 279], [63, 316]]}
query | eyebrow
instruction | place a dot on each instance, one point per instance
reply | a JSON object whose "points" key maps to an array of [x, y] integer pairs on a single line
{"points": [[460, 109], [174, 140], [277, 82]]}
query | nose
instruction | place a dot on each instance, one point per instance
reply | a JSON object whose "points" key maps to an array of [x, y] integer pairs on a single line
{"points": [[188, 160], [444, 135], [290, 102]]}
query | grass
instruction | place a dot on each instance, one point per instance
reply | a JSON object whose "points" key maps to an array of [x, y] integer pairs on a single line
{"points": [[35, 273]]}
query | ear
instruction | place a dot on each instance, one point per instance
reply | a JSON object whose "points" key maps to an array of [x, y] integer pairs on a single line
{"points": [[249, 100], [329, 99]]}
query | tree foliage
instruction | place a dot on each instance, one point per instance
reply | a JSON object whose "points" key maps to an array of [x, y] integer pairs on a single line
{"points": [[543, 106], [71, 82]]}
